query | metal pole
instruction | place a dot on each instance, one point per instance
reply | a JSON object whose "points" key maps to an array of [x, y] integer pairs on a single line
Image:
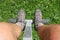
{"points": [[28, 30]]}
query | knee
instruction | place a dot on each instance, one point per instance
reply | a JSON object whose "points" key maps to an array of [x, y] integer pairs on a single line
{"points": [[50, 31], [55, 33], [55, 29]]}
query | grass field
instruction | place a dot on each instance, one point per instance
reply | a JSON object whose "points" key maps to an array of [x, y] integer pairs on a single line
{"points": [[50, 9]]}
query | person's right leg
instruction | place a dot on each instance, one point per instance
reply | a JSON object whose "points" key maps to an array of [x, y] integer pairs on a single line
{"points": [[46, 32], [49, 32]]}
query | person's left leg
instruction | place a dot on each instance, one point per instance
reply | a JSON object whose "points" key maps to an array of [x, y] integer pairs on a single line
{"points": [[20, 22], [10, 31]]}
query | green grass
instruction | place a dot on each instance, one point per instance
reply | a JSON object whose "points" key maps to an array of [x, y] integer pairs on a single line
{"points": [[50, 9]]}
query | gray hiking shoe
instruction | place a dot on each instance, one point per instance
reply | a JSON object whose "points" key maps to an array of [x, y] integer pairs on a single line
{"points": [[21, 19], [38, 18]]}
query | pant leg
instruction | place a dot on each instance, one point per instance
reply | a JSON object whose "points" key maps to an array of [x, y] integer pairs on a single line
{"points": [[49, 32]]}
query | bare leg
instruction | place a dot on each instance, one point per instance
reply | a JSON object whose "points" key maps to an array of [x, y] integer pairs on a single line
{"points": [[49, 32], [9, 31]]}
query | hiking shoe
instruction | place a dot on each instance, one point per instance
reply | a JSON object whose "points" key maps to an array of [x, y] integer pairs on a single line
{"points": [[21, 19], [37, 19]]}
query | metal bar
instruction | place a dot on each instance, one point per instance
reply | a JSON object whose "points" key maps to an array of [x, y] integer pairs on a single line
{"points": [[28, 30]]}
